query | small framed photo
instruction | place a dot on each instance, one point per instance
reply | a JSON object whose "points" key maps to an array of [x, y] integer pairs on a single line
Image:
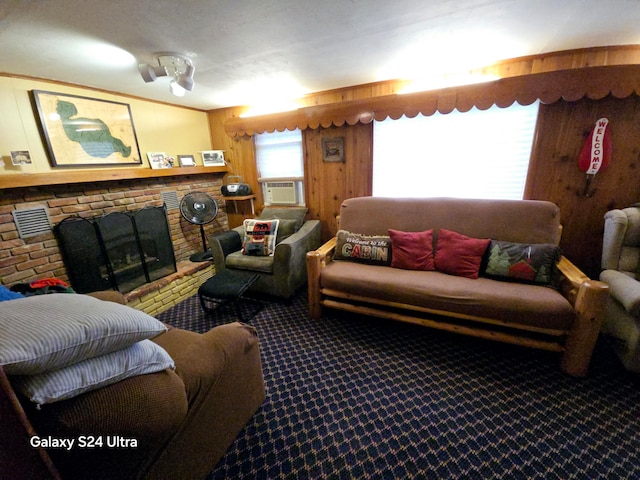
{"points": [[213, 158], [333, 149], [20, 157], [158, 160], [186, 161]]}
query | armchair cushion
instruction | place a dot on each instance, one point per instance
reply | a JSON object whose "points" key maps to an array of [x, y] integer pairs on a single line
{"points": [[625, 289], [250, 262], [290, 213]]}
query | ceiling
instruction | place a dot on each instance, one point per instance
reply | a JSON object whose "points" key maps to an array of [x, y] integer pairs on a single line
{"points": [[256, 52]]}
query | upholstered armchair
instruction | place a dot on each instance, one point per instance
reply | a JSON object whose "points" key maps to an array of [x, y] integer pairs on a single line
{"points": [[621, 270], [282, 273]]}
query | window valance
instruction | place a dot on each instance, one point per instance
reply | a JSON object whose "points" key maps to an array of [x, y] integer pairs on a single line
{"points": [[595, 83]]}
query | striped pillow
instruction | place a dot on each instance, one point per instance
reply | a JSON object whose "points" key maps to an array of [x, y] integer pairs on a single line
{"points": [[47, 332], [140, 358]]}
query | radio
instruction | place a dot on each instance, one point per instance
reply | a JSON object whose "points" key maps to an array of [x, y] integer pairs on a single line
{"points": [[235, 187]]}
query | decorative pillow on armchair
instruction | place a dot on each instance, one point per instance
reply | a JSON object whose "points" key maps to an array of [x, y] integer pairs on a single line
{"points": [[260, 237]]}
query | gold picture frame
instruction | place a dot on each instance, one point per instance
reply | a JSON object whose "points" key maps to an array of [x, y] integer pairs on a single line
{"points": [[86, 132]]}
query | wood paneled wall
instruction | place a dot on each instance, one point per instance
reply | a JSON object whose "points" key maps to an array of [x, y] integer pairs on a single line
{"points": [[553, 175], [329, 183], [239, 153]]}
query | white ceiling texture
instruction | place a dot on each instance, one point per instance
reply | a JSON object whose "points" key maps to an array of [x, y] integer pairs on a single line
{"points": [[248, 52]]}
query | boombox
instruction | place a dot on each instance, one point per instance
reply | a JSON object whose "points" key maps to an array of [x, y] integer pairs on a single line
{"points": [[235, 187]]}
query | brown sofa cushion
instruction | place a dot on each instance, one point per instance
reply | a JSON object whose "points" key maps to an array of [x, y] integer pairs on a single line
{"points": [[532, 305], [523, 221]]}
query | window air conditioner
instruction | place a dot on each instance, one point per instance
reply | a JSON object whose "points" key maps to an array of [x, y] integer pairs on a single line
{"points": [[281, 193]]}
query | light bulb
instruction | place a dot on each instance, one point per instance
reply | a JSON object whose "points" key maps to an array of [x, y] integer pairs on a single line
{"points": [[176, 89]]}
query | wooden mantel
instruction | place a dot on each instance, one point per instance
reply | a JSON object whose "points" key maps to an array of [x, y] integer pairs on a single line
{"points": [[60, 177]]}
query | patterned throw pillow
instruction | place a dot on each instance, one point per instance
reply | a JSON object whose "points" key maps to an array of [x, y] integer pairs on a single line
{"points": [[260, 237], [412, 250], [374, 250], [528, 263]]}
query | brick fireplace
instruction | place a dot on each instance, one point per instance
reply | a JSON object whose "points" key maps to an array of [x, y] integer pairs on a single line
{"points": [[26, 259]]}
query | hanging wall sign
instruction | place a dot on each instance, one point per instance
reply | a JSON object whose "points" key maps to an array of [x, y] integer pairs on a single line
{"points": [[596, 152]]}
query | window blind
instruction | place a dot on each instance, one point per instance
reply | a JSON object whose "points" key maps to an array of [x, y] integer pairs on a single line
{"points": [[279, 154], [475, 154]]}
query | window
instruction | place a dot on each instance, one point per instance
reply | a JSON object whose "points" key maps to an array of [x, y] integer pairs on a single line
{"points": [[280, 167], [475, 154]]}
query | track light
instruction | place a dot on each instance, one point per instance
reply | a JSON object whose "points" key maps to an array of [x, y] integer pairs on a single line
{"points": [[174, 65], [176, 89]]}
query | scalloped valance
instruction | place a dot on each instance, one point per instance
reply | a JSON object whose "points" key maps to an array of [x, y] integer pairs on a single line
{"points": [[620, 81]]}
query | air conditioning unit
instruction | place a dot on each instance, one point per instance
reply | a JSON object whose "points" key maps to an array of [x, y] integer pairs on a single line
{"points": [[280, 193]]}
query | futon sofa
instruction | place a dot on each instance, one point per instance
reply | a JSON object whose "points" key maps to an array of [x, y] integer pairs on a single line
{"points": [[172, 424], [488, 268]]}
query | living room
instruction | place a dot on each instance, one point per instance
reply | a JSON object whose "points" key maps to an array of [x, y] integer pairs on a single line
{"points": [[575, 87]]}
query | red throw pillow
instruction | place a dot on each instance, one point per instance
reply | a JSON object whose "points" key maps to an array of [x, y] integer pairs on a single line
{"points": [[457, 254], [412, 250]]}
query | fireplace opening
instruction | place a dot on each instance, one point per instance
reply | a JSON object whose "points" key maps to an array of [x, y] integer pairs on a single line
{"points": [[120, 250]]}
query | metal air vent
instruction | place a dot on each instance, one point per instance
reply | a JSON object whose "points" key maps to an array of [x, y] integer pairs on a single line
{"points": [[170, 199], [32, 221]]}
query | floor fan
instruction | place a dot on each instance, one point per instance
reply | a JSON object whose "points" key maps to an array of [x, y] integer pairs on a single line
{"points": [[199, 208]]}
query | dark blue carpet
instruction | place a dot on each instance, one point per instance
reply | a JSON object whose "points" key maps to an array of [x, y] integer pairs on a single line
{"points": [[355, 397]]}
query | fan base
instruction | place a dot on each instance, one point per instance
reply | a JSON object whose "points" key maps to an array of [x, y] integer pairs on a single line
{"points": [[201, 257]]}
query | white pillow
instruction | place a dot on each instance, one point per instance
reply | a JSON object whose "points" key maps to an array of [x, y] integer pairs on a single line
{"points": [[46, 332], [140, 358]]}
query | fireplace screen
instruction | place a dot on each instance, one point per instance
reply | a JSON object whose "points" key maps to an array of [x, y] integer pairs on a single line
{"points": [[118, 251]]}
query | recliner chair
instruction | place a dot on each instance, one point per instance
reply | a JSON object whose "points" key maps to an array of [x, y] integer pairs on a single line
{"points": [[621, 270]]}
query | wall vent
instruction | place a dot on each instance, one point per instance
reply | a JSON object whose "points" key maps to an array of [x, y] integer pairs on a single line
{"points": [[32, 221], [170, 199], [281, 193]]}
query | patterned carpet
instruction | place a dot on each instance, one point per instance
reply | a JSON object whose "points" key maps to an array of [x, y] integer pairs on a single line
{"points": [[356, 397]]}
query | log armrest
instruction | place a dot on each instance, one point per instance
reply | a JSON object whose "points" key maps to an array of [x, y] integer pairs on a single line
{"points": [[588, 298], [316, 261]]}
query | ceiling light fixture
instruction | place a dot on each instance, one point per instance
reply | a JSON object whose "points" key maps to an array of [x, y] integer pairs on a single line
{"points": [[174, 65]]}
